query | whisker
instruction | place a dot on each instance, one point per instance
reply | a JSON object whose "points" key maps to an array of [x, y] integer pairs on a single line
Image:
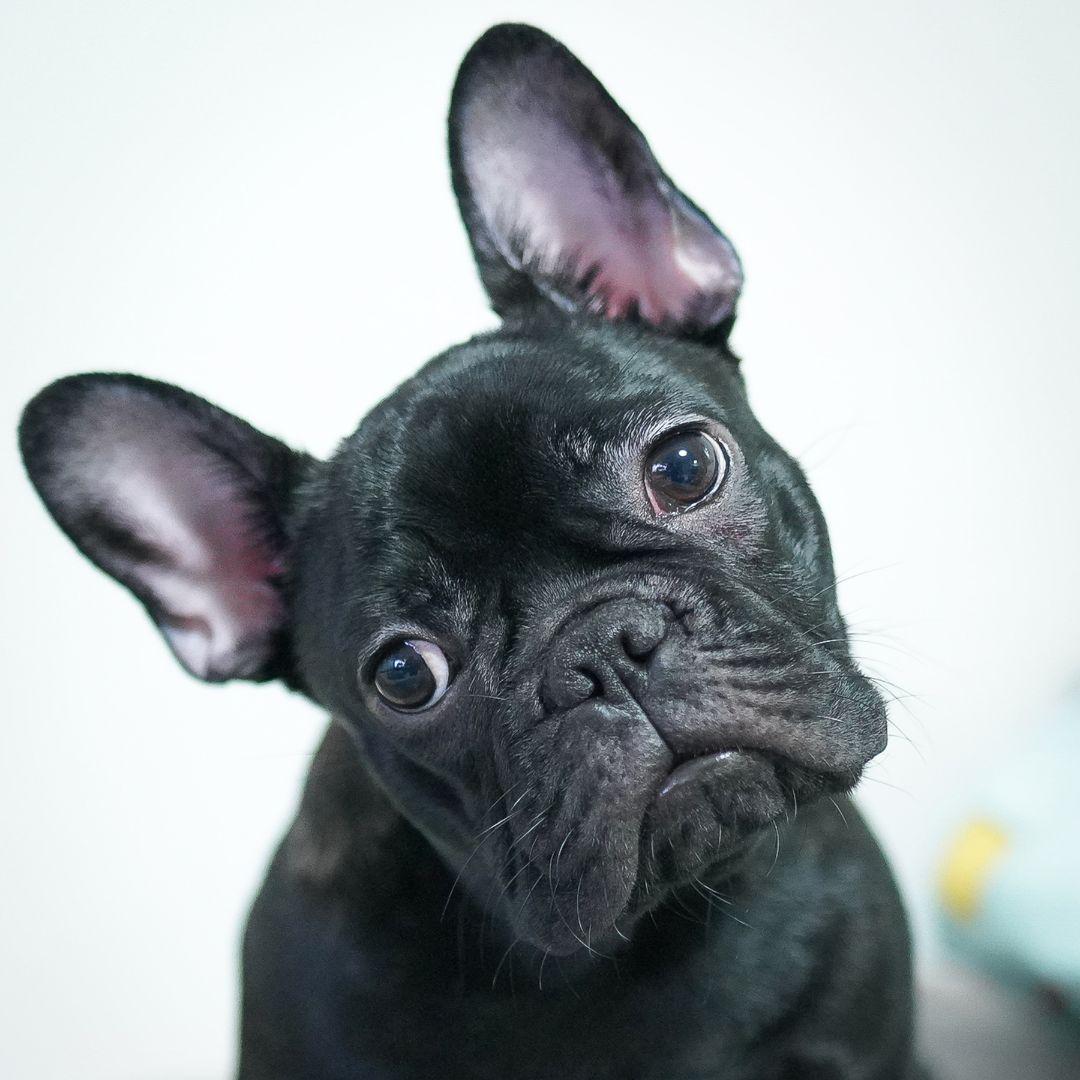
{"points": [[540, 976], [886, 783], [498, 967], [537, 821], [483, 836], [464, 865], [719, 896], [528, 895]]}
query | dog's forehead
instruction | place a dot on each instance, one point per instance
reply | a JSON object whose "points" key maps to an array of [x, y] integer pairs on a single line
{"points": [[555, 397], [516, 452], [516, 423]]}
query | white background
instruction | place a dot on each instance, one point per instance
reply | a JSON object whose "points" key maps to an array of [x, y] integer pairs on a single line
{"points": [[252, 201]]}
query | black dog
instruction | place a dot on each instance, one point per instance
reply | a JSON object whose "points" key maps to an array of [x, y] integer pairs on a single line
{"points": [[580, 812]]}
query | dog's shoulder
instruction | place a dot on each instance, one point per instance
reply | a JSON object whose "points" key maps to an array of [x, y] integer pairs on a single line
{"points": [[344, 822]]}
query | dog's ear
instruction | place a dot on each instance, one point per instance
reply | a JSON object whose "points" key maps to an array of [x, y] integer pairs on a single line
{"points": [[564, 202], [179, 501]]}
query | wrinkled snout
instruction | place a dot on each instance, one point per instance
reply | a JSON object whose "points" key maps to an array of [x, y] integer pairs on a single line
{"points": [[669, 728]]}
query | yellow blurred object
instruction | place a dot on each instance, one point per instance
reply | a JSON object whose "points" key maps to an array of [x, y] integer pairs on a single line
{"points": [[967, 867]]}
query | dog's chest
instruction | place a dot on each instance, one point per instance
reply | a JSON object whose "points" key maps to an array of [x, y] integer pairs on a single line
{"points": [[701, 1018]]}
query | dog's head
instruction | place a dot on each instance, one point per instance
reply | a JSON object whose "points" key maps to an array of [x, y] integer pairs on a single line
{"points": [[576, 607]]}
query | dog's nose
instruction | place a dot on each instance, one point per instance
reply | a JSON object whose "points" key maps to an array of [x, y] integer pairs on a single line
{"points": [[604, 652]]}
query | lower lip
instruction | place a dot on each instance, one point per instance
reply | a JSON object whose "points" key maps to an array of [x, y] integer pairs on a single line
{"points": [[699, 767]]}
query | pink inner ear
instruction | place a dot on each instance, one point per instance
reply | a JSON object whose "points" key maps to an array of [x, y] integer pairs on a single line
{"points": [[553, 202], [210, 574], [215, 582]]}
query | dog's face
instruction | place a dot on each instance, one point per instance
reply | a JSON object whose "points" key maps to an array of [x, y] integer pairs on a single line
{"points": [[576, 607]]}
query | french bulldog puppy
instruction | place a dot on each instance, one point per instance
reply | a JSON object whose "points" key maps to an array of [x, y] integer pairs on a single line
{"points": [[580, 813]]}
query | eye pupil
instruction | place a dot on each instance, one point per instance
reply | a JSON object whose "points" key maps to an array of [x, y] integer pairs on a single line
{"points": [[683, 469], [403, 677]]}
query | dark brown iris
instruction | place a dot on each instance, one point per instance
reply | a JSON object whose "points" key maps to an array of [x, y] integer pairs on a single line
{"points": [[683, 469], [403, 677]]}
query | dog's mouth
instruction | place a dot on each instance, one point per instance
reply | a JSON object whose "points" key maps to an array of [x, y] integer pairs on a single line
{"points": [[707, 767], [731, 790], [592, 878], [711, 807], [734, 767]]}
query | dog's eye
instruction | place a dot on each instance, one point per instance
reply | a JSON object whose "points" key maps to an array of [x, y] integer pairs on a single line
{"points": [[412, 675], [683, 470]]}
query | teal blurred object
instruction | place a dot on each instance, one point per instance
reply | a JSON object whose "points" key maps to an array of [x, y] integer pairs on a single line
{"points": [[1010, 881]]}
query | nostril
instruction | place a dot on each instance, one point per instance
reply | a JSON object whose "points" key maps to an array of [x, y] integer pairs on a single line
{"points": [[567, 686], [583, 684]]}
